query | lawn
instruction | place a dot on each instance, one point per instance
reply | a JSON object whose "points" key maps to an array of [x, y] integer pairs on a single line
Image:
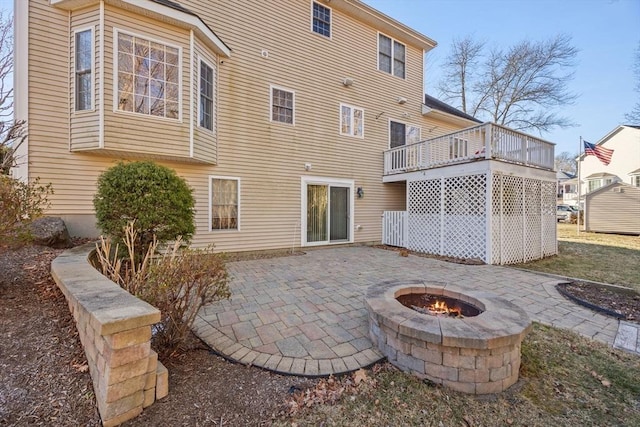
{"points": [[565, 380], [607, 258]]}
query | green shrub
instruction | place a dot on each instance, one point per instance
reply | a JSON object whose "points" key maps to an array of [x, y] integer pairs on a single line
{"points": [[159, 201], [20, 204]]}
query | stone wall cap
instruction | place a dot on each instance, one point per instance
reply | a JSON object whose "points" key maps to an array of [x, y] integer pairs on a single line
{"points": [[112, 308]]}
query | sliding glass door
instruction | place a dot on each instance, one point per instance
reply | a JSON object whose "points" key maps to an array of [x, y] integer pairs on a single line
{"points": [[328, 209]]}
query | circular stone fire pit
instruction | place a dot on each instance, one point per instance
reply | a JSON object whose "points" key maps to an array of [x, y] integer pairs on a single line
{"points": [[479, 354]]}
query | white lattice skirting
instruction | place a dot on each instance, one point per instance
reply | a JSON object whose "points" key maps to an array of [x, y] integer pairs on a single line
{"points": [[449, 217]]}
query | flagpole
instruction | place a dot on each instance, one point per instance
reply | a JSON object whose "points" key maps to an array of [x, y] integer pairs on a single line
{"points": [[579, 186]]}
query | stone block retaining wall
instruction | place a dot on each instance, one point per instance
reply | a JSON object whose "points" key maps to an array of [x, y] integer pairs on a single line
{"points": [[115, 331]]}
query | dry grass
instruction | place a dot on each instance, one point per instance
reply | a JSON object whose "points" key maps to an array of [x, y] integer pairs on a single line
{"points": [[607, 258], [565, 380], [569, 233]]}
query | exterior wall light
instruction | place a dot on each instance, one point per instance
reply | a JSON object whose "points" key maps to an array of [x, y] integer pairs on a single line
{"points": [[360, 192]]}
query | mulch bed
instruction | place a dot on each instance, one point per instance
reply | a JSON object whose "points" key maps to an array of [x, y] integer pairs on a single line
{"points": [[44, 378], [406, 252], [621, 303]]}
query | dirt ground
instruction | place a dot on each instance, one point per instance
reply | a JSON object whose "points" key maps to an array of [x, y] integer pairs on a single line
{"points": [[44, 379]]}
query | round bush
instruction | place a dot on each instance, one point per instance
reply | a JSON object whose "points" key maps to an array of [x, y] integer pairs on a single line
{"points": [[160, 202]]}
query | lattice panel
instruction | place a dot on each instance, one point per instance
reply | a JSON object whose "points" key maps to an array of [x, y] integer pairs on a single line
{"points": [[512, 223], [533, 220], [496, 220], [548, 218], [424, 208], [464, 217]]}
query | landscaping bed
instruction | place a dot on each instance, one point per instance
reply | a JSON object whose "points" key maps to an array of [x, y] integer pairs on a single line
{"points": [[614, 301]]}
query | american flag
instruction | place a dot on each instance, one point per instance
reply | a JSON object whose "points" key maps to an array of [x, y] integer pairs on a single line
{"points": [[603, 154]]}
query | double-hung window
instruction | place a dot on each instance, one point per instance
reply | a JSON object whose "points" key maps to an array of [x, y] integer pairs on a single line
{"points": [[83, 65], [391, 56], [206, 96], [321, 20], [148, 77], [225, 203], [402, 134], [351, 121], [282, 105]]}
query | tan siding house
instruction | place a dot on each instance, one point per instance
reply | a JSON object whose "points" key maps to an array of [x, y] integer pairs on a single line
{"points": [[281, 124]]}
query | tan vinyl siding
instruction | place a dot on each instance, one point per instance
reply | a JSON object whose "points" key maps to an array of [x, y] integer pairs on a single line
{"points": [[205, 140], [48, 116], [614, 209], [142, 133], [85, 124], [268, 157]]}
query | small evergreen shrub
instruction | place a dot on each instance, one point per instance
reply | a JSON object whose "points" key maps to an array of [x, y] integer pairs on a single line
{"points": [[159, 201]]}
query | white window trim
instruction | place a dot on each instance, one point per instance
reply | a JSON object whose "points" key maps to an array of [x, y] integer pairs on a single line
{"points": [[330, 22], [352, 134], [234, 178], [116, 32], [213, 98], [93, 70], [335, 182], [271, 88], [21, 83], [406, 125], [406, 56]]}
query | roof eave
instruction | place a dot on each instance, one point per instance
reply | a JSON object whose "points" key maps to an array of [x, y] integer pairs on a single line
{"points": [[180, 18], [383, 23], [429, 111]]}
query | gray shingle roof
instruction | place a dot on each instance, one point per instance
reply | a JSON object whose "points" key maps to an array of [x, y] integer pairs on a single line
{"points": [[436, 104]]}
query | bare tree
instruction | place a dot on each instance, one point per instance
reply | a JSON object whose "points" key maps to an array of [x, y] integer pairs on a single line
{"points": [[566, 162], [519, 87], [634, 116], [12, 132], [459, 66]]}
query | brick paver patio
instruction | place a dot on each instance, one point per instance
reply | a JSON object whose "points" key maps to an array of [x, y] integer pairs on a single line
{"points": [[305, 315]]}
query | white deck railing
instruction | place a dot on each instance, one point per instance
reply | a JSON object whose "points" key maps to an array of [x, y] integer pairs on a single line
{"points": [[486, 141]]}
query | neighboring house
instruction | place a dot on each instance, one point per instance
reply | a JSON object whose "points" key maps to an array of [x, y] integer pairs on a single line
{"points": [[607, 193], [567, 186], [297, 123], [614, 208], [625, 162]]}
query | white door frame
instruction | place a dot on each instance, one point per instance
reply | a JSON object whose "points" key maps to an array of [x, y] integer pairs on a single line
{"points": [[334, 182]]}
